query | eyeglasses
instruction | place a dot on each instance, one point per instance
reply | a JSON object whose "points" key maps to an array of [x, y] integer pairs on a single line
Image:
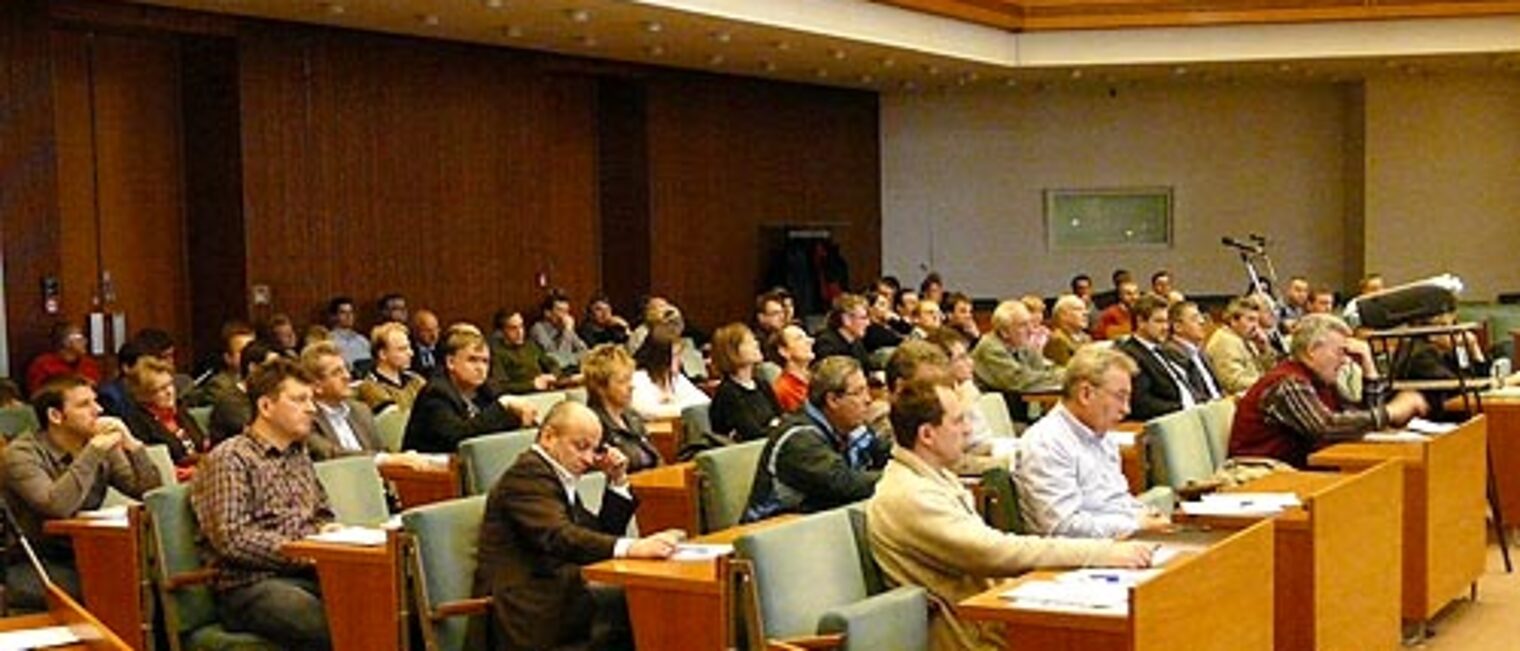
{"points": [[1122, 396]]}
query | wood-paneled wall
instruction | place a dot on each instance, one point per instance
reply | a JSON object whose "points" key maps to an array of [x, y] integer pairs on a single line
{"points": [[728, 155], [452, 174]]}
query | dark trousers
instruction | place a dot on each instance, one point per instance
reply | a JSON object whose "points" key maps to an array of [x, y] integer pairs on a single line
{"points": [[286, 611], [23, 588]]}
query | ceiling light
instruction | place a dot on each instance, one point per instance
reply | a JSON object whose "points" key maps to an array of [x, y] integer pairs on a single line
{"points": [[768, 66], [866, 79], [1076, 74], [932, 70], [494, 4], [888, 62], [838, 55], [336, 9], [578, 15], [716, 60], [512, 31], [653, 27], [1180, 70], [431, 20], [722, 37], [783, 45], [655, 50], [1011, 82], [588, 40], [822, 73], [1283, 67]]}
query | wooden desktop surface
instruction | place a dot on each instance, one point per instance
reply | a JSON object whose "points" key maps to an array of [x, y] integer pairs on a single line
{"points": [[108, 557], [667, 434], [64, 611], [677, 605], [417, 485], [667, 497], [362, 592], [1444, 514], [1201, 601]]}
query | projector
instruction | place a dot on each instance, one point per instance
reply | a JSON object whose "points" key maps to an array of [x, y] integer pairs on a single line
{"points": [[1403, 304]]}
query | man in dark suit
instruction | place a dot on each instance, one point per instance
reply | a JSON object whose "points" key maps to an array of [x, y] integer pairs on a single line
{"points": [[1162, 385], [425, 358], [846, 332], [536, 535], [457, 404], [344, 426], [1189, 329]]}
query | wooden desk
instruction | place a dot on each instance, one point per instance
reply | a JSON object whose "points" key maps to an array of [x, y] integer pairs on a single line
{"points": [[64, 611], [1445, 542], [109, 557], [1214, 600], [361, 592], [667, 434], [667, 498], [1333, 587], [1503, 414], [678, 606], [418, 485], [1132, 457]]}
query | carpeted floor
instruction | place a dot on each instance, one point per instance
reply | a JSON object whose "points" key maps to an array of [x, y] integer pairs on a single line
{"points": [[1492, 623]]}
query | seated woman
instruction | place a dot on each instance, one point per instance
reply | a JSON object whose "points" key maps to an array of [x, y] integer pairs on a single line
{"points": [[391, 382], [608, 370], [660, 391], [792, 348], [742, 407], [154, 417]]}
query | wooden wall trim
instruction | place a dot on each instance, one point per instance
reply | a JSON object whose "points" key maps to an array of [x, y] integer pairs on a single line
{"points": [[1042, 15]]}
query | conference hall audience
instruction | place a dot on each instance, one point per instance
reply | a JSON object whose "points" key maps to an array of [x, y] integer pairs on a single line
{"points": [[602, 325], [932, 288], [879, 333], [391, 382], [113, 394], [925, 530], [1082, 287], [344, 426], [907, 306], [155, 416], [770, 314], [1297, 407], [960, 315], [661, 391], [1189, 329], [1239, 351], [341, 323], [459, 404], [1068, 330], [225, 383], [609, 392], [59, 471], [70, 356], [958, 368], [1002, 360], [792, 349], [927, 318], [743, 407], [425, 336], [391, 308], [1294, 305], [846, 331], [233, 410], [1161, 386], [536, 536], [280, 332], [1116, 320], [519, 364], [555, 332], [1321, 301], [1039, 334], [1106, 299], [254, 493], [1069, 477], [821, 457], [1161, 284]]}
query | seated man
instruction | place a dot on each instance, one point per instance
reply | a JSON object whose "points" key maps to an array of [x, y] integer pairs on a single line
{"points": [[60, 471], [927, 318], [224, 384], [232, 411], [1068, 331], [1069, 477], [1239, 350], [536, 536], [459, 404], [555, 332], [1115, 321], [70, 356], [1296, 407], [822, 456], [925, 531], [1003, 361], [425, 331], [846, 332], [341, 320], [391, 382], [1189, 329], [602, 325], [1162, 385], [344, 426], [254, 493], [519, 364]]}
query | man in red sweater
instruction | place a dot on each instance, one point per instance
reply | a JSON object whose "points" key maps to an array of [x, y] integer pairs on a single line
{"points": [[69, 356]]}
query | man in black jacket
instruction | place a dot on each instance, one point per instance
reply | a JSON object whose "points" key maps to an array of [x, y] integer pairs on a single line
{"points": [[457, 404], [1162, 386]]}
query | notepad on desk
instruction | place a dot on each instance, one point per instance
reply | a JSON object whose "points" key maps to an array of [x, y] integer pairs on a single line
{"points": [[358, 536], [114, 516], [700, 551], [38, 638], [1403, 436], [1084, 596], [1240, 504]]}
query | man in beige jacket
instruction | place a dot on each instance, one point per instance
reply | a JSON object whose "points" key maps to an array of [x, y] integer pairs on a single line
{"points": [[924, 529]]}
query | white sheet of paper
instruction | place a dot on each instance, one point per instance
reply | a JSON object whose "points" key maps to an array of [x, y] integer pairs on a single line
{"points": [[1095, 596], [1429, 426], [37, 638], [108, 513], [1395, 437], [700, 551], [1281, 500]]}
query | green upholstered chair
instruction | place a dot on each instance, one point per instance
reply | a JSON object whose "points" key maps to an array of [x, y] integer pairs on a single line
{"points": [[1217, 417], [442, 557], [202, 417], [390, 425], [1000, 501], [15, 420], [803, 580], [724, 476], [181, 577], [590, 488], [875, 581], [159, 454], [696, 420], [484, 458], [1180, 454], [354, 490], [767, 372], [578, 394], [994, 410], [543, 401], [693, 366]]}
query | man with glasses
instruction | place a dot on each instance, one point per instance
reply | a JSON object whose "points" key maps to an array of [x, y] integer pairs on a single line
{"points": [[823, 456], [847, 330], [1069, 475], [343, 426], [1005, 361], [1189, 329]]}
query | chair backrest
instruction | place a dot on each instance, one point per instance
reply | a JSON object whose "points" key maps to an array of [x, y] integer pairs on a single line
{"points": [[875, 582], [692, 364], [15, 421], [543, 401], [1179, 448], [578, 394], [355, 490], [484, 458], [172, 531], [390, 426], [1217, 417], [590, 488], [767, 372], [202, 417], [803, 568], [444, 538], [725, 475], [159, 455], [1003, 506], [696, 420], [994, 410]]}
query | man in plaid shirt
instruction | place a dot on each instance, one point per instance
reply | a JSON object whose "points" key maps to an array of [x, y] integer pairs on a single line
{"points": [[252, 494]]}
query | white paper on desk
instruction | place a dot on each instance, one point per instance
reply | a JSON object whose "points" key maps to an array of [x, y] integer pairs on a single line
{"points": [[1240, 504], [1107, 598], [1122, 439], [361, 536], [1429, 427], [700, 551], [1280, 500], [108, 513], [1505, 392], [1395, 437], [37, 638], [1165, 554], [1123, 578]]}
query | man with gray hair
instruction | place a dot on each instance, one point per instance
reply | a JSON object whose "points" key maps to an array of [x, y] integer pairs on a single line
{"points": [[1069, 474], [1069, 329], [1003, 360], [1296, 408], [822, 456]]}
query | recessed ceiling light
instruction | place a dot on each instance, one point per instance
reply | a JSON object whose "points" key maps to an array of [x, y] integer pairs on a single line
{"points": [[431, 20], [716, 60], [866, 79], [722, 37], [336, 9], [822, 73], [512, 31], [588, 40], [837, 54], [653, 27], [494, 4], [1011, 82], [655, 50], [932, 70], [783, 45], [768, 66], [1180, 70], [888, 62], [578, 15], [1283, 67], [1076, 74]]}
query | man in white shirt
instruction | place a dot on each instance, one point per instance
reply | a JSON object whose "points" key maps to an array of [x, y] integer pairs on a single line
{"points": [[353, 346], [1069, 478]]}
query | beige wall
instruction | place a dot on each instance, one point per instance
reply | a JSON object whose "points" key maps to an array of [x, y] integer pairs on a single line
{"points": [[963, 176], [1443, 179]]}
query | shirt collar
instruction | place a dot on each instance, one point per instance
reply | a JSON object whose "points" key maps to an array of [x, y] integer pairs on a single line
{"points": [[565, 478], [339, 412], [1076, 425], [816, 414]]}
